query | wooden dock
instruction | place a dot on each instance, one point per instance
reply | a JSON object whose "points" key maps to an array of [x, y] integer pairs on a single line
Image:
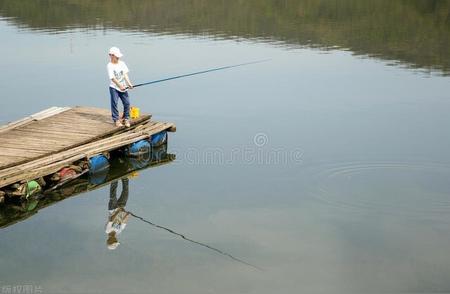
{"points": [[45, 142]]}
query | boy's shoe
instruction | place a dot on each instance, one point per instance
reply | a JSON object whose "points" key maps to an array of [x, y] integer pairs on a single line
{"points": [[118, 124], [127, 123]]}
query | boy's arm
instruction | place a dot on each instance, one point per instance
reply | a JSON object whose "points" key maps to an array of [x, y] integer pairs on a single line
{"points": [[115, 81], [112, 77], [127, 79]]}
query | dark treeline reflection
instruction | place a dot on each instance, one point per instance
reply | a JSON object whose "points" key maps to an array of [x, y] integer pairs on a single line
{"points": [[413, 32]]}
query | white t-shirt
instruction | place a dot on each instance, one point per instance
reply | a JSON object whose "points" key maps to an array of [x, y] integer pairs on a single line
{"points": [[118, 223], [117, 71]]}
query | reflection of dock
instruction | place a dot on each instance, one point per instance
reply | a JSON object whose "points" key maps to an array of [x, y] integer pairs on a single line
{"points": [[46, 142], [120, 167]]}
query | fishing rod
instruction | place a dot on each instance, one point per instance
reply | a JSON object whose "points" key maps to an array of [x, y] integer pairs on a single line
{"points": [[193, 241], [199, 73]]}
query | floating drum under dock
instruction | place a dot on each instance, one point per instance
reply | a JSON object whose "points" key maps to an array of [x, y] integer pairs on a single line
{"points": [[44, 143]]}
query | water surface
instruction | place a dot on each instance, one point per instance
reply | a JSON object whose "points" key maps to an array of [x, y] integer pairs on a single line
{"points": [[327, 166]]}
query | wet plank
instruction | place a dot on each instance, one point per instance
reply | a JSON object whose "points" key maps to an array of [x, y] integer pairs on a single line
{"points": [[55, 130]]}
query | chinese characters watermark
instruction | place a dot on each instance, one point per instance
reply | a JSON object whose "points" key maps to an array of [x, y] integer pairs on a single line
{"points": [[258, 153], [20, 289]]}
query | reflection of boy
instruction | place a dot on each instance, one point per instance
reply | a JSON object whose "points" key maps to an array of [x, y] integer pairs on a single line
{"points": [[118, 217]]}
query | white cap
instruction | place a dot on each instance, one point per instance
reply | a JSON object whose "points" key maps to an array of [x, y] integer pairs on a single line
{"points": [[115, 51]]}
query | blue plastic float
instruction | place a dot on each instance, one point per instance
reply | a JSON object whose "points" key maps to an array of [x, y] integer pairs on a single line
{"points": [[158, 139], [138, 148], [98, 169], [98, 163]]}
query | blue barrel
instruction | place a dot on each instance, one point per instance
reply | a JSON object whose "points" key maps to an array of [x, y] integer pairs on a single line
{"points": [[98, 163], [138, 148], [158, 139], [98, 177]]}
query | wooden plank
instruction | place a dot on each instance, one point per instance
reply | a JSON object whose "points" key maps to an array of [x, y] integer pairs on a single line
{"points": [[27, 147], [22, 149], [92, 128], [53, 167], [75, 117], [74, 120], [118, 140], [36, 140], [15, 149], [24, 120], [106, 126], [61, 129], [58, 110], [90, 110], [9, 157], [11, 142], [78, 117], [51, 133], [37, 116], [23, 135], [52, 137], [44, 144], [142, 119]]}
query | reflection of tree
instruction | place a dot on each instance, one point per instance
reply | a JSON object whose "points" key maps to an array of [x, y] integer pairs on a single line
{"points": [[412, 31]]}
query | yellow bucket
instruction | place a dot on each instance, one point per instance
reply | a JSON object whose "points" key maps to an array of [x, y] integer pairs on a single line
{"points": [[134, 174], [134, 112]]}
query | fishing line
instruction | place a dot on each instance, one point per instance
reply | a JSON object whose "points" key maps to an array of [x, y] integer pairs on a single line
{"points": [[199, 72], [195, 242]]}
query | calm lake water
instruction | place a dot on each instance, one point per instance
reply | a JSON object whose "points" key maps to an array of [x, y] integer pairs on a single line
{"points": [[327, 167]]}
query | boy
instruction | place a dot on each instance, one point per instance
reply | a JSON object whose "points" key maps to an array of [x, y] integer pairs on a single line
{"points": [[118, 75]]}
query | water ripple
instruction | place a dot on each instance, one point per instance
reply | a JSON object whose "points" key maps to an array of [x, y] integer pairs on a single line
{"points": [[389, 188]]}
